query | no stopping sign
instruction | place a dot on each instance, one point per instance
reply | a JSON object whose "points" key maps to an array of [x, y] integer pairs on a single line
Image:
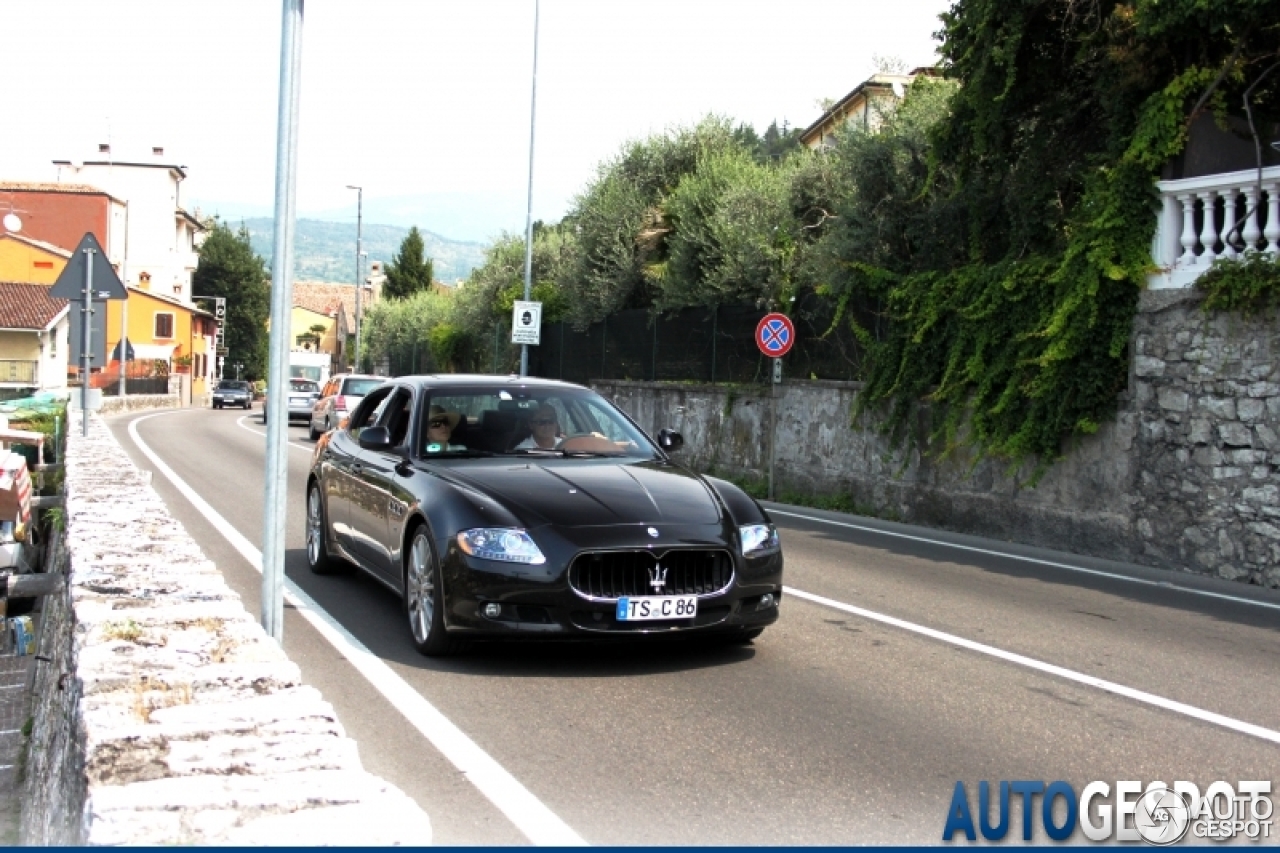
{"points": [[775, 335]]}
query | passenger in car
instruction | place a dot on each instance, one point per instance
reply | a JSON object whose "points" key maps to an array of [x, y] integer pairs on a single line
{"points": [[545, 426], [440, 426]]}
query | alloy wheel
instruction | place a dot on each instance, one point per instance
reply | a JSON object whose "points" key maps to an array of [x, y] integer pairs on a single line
{"points": [[315, 530], [420, 588]]}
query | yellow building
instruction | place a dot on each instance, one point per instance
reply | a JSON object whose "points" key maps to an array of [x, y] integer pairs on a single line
{"points": [[862, 109], [31, 261], [163, 329]]}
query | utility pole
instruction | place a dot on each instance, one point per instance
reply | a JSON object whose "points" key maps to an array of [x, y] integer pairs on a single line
{"points": [[124, 306], [528, 211], [277, 467], [86, 327], [359, 252]]}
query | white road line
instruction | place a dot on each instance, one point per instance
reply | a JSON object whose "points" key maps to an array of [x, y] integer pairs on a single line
{"points": [[240, 422], [1051, 669], [1037, 560], [527, 812]]}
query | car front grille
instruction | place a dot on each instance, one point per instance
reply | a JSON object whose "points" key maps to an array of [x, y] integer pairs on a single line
{"points": [[615, 574]]}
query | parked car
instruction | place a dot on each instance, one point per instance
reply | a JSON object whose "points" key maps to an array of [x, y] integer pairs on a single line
{"points": [[339, 398], [436, 488], [302, 396], [233, 392]]}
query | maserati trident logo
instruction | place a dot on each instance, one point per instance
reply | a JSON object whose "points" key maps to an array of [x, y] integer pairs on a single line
{"points": [[657, 578]]}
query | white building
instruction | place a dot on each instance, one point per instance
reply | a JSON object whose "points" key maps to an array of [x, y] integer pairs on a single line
{"points": [[160, 236]]}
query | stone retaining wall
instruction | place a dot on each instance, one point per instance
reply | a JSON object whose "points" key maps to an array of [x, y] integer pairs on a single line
{"points": [[138, 403], [1185, 476], [162, 712]]}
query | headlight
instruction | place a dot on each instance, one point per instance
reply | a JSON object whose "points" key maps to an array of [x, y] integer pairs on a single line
{"points": [[758, 539], [506, 544]]}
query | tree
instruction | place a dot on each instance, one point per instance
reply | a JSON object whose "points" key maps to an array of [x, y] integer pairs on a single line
{"points": [[229, 268], [410, 271]]}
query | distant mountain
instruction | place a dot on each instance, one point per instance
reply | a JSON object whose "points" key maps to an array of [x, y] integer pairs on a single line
{"points": [[326, 251]]}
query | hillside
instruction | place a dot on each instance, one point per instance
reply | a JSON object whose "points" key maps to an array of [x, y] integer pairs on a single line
{"points": [[326, 250]]}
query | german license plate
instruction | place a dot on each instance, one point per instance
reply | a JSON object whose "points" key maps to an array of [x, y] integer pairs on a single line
{"points": [[645, 608]]}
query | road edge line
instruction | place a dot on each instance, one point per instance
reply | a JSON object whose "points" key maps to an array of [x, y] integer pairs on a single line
{"points": [[1037, 560], [529, 814], [1051, 669]]}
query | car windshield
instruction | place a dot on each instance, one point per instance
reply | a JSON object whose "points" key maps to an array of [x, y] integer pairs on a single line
{"points": [[304, 385], [360, 387], [551, 422], [231, 385]]}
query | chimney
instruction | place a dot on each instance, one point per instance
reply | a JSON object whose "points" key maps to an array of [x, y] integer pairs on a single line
{"points": [[104, 147], [157, 151]]}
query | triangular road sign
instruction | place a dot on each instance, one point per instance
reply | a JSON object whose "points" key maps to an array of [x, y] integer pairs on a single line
{"points": [[106, 284]]}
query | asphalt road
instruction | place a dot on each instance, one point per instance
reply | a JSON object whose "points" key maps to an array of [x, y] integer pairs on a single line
{"points": [[835, 727]]}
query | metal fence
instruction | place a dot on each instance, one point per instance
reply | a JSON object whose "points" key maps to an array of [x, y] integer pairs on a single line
{"points": [[140, 385], [699, 345]]}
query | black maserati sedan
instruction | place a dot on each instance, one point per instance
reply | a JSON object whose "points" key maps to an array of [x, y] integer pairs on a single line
{"points": [[508, 508]]}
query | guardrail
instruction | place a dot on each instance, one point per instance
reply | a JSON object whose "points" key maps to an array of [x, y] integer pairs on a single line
{"points": [[1209, 217]]}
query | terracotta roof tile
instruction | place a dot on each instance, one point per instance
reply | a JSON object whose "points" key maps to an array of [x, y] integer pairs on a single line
{"points": [[327, 298], [27, 306]]}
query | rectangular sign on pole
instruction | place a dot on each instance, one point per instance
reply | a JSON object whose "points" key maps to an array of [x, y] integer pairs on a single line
{"points": [[526, 323]]}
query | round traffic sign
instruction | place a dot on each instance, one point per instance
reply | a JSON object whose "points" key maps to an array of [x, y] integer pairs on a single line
{"points": [[775, 335]]}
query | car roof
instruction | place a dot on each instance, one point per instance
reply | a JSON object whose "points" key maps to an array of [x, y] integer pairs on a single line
{"points": [[483, 380]]}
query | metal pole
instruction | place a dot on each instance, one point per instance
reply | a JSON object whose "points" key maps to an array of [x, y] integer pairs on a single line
{"points": [[86, 336], [773, 426], [277, 467], [124, 306], [359, 266], [528, 211]]}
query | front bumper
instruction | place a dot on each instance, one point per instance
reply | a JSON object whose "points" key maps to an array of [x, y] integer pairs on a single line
{"points": [[539, 601]]}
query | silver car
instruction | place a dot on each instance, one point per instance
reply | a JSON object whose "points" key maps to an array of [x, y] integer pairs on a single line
{"points": [[339, 398], [302, 396]]}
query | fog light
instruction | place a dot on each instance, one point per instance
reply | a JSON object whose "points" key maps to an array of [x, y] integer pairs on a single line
{"points": [[766, 601], [492, 611]]}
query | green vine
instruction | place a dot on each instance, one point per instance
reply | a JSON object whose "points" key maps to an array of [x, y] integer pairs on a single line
{"points": [[1250, 285], [1019, 341]]}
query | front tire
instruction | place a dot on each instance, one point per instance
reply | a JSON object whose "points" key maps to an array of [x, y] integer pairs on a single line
{"points": [[424, 599], [318, 558], [312, 433]]}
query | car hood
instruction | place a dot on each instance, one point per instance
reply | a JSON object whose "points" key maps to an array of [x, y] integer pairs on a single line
{"points": [[581, 493]]}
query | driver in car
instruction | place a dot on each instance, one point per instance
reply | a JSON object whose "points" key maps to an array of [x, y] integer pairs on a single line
{"points": [[545, 430]]}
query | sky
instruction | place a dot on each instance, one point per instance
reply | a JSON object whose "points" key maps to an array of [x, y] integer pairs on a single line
{"points": [[423, 103]]}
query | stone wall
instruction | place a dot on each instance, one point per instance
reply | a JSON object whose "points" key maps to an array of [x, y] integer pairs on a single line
{"points": [[1184, 477], [138, 403], [162, 712], [1206, 389]]}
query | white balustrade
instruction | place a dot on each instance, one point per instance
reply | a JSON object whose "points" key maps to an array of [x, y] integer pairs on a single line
{"points": [[1210, 217]]}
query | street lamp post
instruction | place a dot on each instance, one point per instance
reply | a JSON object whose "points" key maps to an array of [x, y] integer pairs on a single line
{"points": [[359, 252], [528, 213]]}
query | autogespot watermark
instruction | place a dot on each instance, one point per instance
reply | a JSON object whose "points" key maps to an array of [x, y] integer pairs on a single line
{"points": [[1159, 814]]}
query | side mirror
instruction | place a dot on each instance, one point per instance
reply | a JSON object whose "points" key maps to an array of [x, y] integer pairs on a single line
{"points": [[670, 440], [375, 438]]}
